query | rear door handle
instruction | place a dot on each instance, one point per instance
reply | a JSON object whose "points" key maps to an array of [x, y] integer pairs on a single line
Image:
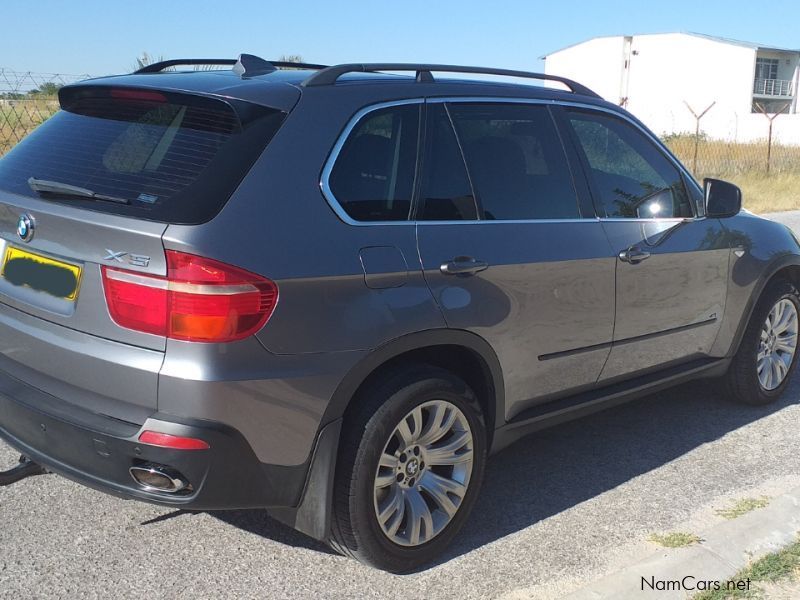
{"points": [[463, 265], [633, 255]]}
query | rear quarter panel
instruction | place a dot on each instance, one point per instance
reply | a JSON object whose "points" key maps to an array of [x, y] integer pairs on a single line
{"points": [[278, 224]]}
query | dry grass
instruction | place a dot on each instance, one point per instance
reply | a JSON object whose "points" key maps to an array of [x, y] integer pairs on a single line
{"points": [[676, 539], [19, 117], [726, 159], [743, 506], [773, 193], [746, 166]]}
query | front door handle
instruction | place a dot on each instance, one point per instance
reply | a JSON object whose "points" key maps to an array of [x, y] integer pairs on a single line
{"points": [[463, 265], [633, 255]]}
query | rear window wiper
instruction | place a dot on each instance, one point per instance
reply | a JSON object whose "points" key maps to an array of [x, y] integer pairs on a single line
{"points": [[44, 186]]}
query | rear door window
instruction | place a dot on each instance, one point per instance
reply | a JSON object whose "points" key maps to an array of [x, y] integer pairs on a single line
{"points": [[172, 157], [373, 176], [516, 161]]}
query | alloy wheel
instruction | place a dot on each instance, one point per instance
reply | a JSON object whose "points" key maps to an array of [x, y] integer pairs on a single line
{"points": [[777, 344], [423, 473]]}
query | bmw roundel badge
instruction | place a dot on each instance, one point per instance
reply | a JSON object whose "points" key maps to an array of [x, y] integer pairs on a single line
{"points": [[25, 227]]}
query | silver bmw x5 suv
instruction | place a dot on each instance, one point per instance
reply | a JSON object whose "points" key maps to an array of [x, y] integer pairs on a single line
{"points": [[332, 292]]}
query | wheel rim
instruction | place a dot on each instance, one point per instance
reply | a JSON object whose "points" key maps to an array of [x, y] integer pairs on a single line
{"points": [[777, 344], [423, 473]]}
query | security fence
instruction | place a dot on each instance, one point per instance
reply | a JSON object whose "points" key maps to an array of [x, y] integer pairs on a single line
{"points": [[718, 158], [26, 101]]}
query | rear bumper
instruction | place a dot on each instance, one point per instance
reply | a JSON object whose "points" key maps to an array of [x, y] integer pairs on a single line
{"points": [[98, 451]]}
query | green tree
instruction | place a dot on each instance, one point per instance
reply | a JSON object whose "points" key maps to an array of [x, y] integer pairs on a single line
{"points": [[48, 89]]}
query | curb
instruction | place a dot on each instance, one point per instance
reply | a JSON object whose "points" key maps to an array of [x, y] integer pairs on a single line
{"points": [[726, 549]]}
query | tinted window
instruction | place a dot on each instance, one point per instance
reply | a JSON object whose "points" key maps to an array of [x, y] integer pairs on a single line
{"points": [[516, 161], [373, 177], [631, 175], [174, 157], [446, 192]]}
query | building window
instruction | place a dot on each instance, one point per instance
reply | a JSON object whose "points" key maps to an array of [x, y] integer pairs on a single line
{"points": [[767, 68]]}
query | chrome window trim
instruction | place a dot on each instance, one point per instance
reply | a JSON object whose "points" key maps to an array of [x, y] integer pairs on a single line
{"points": [[334, 155], [648, 219], [361, 113], [507, 221]]}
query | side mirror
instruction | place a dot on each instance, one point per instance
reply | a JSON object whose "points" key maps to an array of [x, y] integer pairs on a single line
{"points": [[722, 199]]}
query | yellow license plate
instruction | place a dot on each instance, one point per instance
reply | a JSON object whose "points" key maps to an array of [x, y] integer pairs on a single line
{"points": [[54, 277]]}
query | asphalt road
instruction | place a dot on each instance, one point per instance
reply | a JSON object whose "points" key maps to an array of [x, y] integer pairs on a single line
{"points": [[557, 509]]}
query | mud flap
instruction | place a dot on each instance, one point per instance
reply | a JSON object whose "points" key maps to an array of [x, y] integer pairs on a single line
{"points": [[313, 515]]}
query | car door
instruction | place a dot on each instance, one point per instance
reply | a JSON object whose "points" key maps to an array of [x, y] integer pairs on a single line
{"points": [[672, 263], [511, 248]]}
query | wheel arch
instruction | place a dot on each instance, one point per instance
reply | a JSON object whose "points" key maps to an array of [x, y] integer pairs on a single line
{"points": [[461, 352], [786, 267], [312, 515]]}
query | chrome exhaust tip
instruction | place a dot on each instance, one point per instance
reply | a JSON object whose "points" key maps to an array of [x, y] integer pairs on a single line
{"points": [[158, 478]]}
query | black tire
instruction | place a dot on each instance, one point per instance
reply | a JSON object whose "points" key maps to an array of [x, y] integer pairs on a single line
{"points": [[741, 381], [356, 531]]}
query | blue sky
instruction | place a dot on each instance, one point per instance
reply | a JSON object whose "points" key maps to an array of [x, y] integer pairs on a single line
{"points": [[100, 37]]}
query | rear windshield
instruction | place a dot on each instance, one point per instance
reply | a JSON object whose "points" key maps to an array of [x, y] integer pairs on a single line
{"points": [[174, 157]]}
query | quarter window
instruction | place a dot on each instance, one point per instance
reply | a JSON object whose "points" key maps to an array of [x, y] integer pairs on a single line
{"points": [[631, 175], [516, 162], [373, 177]]}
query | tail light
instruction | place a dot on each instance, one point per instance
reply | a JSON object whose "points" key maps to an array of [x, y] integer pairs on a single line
{"points": [[200, 300]]}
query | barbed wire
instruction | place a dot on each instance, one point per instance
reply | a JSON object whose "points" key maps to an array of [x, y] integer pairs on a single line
{"points": [[15, 82]]}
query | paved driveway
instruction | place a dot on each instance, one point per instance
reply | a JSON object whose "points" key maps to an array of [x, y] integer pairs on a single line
{"points": [[565, 505]]}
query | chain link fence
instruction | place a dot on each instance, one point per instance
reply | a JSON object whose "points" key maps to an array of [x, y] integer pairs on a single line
{"points": [[26, 101], [716, 158]]}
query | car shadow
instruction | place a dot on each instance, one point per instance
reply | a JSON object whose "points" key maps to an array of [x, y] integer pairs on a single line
{"points": [[260, 523], [553, 470], [556, 469]]}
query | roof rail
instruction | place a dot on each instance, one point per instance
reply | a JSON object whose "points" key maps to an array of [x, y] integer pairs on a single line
{"points": [[246, 64], [331, 74], [297, 65]]}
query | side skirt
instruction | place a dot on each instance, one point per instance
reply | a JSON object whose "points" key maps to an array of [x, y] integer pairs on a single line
{"points": [[585, 403]]}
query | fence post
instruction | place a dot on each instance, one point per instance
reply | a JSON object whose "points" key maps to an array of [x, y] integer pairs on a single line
{"points": [[697, 131], [763, 110]]}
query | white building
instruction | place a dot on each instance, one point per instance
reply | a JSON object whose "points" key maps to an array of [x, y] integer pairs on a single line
{"points": [[664, 78]]}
